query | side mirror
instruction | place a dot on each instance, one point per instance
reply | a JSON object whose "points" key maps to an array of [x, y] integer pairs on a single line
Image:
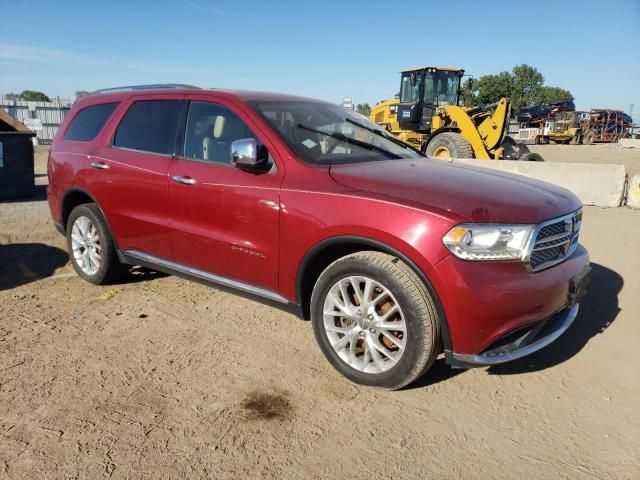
{"points": [[247, 155]]}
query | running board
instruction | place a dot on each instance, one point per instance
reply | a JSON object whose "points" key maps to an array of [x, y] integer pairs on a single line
{"points": [[136, 257]]}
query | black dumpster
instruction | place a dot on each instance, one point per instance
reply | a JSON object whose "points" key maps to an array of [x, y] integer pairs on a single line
{"points": [[16, 165]]}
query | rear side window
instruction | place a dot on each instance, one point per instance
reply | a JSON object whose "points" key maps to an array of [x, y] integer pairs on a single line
{"points": [[149, 126], [89, 121]]}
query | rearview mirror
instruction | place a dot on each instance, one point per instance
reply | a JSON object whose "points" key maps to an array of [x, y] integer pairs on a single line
{"points": [[247, 155]]}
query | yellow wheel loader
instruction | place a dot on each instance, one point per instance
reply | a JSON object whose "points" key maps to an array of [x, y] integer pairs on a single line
{"points": [[428, 117], [568, 127]]}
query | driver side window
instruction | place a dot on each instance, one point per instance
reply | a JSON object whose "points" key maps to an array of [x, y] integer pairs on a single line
{"points": [[210, 130]]}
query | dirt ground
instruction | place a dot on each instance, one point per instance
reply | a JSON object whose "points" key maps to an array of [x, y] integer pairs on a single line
{"points": [[609, 153], [160, 377]]}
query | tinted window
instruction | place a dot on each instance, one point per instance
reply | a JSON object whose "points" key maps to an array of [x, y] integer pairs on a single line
{"points": [[210, 130], [89, 121], [150, 126]]}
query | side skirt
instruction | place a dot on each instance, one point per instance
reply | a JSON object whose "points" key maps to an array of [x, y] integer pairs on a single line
{"points": [[245, 290]]}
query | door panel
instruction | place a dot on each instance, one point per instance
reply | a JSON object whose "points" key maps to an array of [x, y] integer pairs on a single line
{"points": [[133, 194], [226, 221], [131, 185]]}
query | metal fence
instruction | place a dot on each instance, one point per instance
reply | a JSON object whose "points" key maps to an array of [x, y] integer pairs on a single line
{"points": [[42, 117]]}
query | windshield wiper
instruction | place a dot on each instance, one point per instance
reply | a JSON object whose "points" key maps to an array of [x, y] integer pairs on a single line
{"points": [[389, 137], [353, 141]]}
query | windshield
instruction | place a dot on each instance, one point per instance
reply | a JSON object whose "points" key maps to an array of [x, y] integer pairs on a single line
{"points": [[438, 87], [327, 134]]}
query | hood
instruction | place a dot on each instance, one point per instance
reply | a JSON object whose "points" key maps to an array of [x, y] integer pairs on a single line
{"points": [[477, 194]]}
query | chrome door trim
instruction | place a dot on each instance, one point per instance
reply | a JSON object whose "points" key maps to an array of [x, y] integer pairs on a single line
{"points": [[209, 277]]}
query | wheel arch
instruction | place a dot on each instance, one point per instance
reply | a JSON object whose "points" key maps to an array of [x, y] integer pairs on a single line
{"points": [[325, 252], [79, 196]]}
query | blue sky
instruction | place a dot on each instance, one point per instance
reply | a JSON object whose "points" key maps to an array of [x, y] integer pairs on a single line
{"points": [[325, 49]]}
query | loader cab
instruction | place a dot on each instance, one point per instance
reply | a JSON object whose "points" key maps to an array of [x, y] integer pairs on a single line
{"points": [[422, 91]]}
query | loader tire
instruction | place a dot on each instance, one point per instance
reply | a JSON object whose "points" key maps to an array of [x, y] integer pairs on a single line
{"points": [[531, 157], [589, 137], [449, 145]]}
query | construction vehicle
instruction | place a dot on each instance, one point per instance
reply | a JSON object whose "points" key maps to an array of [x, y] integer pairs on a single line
{"points": [[428, 116], [568, 127], [604, 126]]}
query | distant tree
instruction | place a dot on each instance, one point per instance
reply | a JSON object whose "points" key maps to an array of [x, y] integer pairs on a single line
{"points": [[34, 96], [554, 94], [527, 85], [12, 96], [363, 109], [81, 93], [492, 87], [524, 85], [468, 93]]}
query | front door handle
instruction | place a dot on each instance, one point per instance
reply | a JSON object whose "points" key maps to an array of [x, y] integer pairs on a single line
{"points": [[99, 165], [184, 180]]}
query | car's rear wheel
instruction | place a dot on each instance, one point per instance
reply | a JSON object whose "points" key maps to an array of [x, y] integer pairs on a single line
{"points": [[375, 320], [90, 245]]}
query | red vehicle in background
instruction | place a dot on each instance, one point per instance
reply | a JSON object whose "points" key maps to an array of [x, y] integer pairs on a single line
{"points": [[302, 204]]}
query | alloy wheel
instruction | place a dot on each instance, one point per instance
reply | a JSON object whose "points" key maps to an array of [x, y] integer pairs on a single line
{"points": [[85, 244], [365, 324]]}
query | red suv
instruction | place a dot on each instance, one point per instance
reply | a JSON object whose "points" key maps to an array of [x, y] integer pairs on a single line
{"points": [[394, 257]]}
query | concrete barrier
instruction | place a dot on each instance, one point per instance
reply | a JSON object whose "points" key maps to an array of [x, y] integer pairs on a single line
{"points": [[633, 192], [594, 184]]}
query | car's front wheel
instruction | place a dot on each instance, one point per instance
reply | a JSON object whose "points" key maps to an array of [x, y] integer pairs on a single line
{"points": [[91, 247], [375, 320]]}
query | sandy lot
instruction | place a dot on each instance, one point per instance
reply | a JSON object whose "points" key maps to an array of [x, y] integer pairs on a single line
{"points": [[159, 377], [609, 153]]}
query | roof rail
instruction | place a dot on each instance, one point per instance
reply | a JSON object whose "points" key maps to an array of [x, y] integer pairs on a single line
{"points": [[145, 87]]}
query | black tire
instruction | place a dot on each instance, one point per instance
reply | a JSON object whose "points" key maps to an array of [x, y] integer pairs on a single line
{"points": [[531, 157], [512, 149], [455, 143], [589, 137], [575, 140], [110, 268], [421, 317]]}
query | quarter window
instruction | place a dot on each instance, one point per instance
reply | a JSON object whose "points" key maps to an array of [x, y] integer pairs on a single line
{"points": [[88, 122], [210, 130], [149, 126]]}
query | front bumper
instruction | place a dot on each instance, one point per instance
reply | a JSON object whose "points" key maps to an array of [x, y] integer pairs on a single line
{"points": [[523, 343], [487, 305]]}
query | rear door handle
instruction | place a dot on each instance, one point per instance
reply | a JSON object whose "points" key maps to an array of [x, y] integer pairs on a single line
{"points": [[99, 165], [184, 180]]}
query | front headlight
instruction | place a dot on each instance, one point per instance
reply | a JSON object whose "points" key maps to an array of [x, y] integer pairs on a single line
{"points": [[488, 242]]}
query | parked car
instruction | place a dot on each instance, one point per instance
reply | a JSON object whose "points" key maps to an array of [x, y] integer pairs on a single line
{"points": [[394, 257], [532, 113], [567, 106]]}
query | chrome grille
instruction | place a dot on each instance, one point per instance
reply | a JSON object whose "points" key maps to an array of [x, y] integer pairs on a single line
{"points": [[555, 240]]}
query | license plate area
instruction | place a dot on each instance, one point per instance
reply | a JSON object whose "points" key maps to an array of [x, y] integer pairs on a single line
{"points": [[579, 285]]}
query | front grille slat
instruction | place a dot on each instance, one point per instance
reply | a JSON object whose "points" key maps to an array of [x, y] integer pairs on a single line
{"points": [[555, 241]]}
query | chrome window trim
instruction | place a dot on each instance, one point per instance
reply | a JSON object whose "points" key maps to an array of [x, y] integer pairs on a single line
{"points": [[572, 240], [135, 150], [209, 277]]}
